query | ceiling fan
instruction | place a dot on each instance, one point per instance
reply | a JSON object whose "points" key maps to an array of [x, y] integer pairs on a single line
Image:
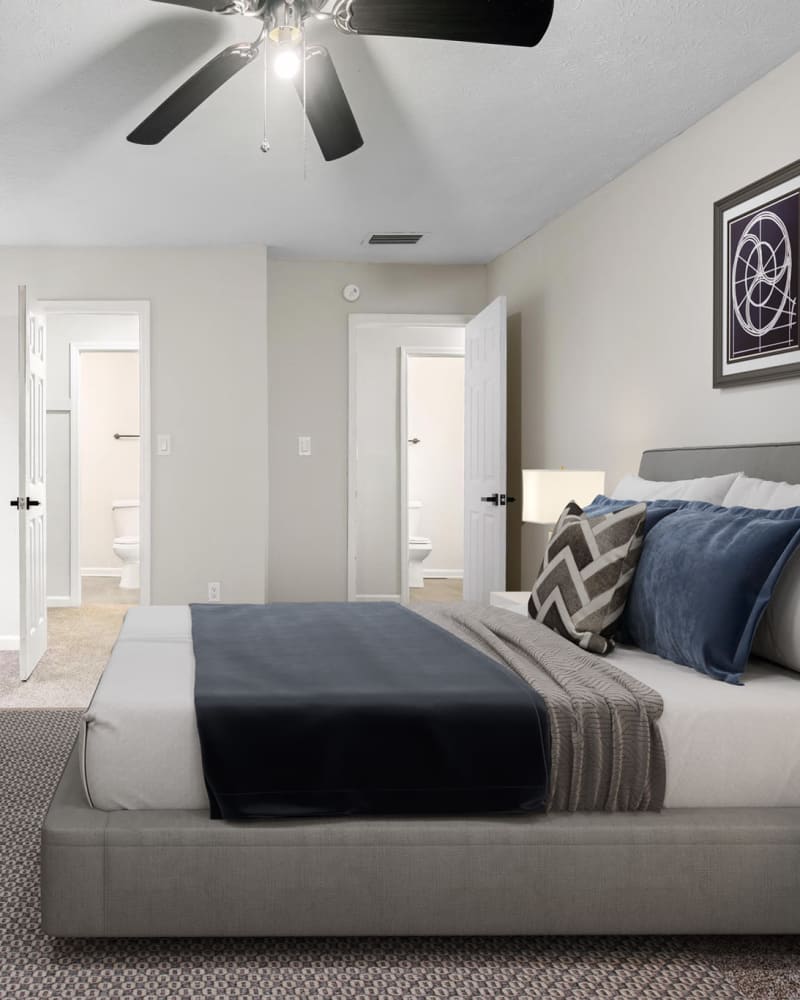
{"points": [[283, 25]]}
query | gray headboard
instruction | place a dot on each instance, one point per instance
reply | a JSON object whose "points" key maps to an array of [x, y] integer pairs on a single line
{"points": [[778, 462]]}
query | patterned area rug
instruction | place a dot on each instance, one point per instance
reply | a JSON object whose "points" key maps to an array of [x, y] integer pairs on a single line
{"points": [[33, 749]]}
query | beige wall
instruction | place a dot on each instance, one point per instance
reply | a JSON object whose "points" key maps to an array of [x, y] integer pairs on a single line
{"points": [[109, 469], [436, 464], [308, 381], [613, 304], [209, 357]]}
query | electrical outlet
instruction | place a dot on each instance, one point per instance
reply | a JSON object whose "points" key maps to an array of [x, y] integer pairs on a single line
{"points": [[304, 446], [214, 593]]}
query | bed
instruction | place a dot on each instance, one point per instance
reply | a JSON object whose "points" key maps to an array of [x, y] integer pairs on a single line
{"points": [[722, 857]]}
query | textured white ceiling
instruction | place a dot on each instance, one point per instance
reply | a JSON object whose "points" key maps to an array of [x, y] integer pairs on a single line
{"points": [[476, 146]]}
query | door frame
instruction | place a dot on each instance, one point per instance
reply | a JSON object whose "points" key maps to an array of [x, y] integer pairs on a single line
{"points": [[140, 309], [405, 354], [356, 323]]}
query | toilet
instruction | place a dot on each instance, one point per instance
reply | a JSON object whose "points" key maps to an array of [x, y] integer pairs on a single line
{"points": [[419, 547], [126, 541]]}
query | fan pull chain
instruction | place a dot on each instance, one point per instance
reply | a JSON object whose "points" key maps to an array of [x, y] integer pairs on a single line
{"points": [[265, 146]]}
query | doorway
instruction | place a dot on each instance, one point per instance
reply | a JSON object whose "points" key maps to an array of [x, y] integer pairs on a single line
{"points": [[377, 457], [432, 475], [377, 527], [98, 470], [90, 481]]}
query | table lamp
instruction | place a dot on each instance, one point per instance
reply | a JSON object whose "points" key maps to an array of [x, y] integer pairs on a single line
{"points": [[546, 492]]}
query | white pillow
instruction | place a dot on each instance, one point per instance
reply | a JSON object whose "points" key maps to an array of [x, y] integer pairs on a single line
{"points": [[778, 635], [711, 489], [761, 494]]}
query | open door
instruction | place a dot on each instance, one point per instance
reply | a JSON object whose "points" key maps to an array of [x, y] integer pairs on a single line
{"points": [[31, 502], [485, 496]]}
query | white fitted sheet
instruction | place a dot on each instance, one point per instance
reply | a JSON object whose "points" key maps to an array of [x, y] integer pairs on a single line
{"points": [[726, 746]]}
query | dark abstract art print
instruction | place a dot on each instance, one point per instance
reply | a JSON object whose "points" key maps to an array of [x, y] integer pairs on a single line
{"points": [[757, 259]]}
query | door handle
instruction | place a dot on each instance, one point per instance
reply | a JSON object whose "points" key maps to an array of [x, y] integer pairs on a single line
{"points": [[25, 502], [499, 499]]}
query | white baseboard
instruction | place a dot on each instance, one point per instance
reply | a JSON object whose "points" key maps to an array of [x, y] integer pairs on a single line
{"points": [[61, 602], [378, 597], [9, 643], [443, 574], [100, 571]]}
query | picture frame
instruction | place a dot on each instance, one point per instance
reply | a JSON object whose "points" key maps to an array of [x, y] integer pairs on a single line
{"points": [[757, 281]]}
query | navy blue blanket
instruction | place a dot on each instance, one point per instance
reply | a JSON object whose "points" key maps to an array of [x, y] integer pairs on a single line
{"points": [[358, 709]]}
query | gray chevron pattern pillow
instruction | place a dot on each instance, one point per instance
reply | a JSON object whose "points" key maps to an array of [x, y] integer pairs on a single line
{"points": [[587, 573]]}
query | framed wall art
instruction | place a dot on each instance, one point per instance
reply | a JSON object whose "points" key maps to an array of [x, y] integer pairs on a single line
{"points": [[756, 262]]}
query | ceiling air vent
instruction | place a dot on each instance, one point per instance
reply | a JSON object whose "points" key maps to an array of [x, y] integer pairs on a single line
{"points": [[394, 239]]}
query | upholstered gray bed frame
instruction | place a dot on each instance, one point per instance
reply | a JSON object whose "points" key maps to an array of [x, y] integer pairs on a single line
{"points": [[778, 462], [685, 871]]}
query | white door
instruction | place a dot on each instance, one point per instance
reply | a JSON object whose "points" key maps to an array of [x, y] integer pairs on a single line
{"points": [[485, 454], [31, 502]]}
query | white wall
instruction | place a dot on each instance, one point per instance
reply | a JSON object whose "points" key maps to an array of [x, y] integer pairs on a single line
{"points": [[308, 386], [109, 468], [377, 386], [436, 464], [62, 331], [614, 304], [209, 358]]}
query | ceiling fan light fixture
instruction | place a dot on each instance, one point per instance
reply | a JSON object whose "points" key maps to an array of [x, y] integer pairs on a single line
{"points": [[287, 63], [286, 34]]}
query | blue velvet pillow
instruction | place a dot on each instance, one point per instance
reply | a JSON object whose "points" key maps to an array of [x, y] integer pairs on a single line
{"points": [[656, 509], [704, 578]]}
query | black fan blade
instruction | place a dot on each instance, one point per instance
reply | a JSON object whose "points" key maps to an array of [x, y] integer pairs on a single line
{"points": [[493, 22], [191, 94], [209, 5], [327, 108]]}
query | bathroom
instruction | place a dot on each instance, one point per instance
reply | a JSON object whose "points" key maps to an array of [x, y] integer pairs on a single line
{"points": [[109, 477], [93, 461], [435, 476]]}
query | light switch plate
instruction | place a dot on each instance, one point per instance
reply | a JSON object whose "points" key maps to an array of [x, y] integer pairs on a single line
{"points": [[164, 444], [304, 446]]}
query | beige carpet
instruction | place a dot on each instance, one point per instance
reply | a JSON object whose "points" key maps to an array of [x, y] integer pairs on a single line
{"points": [[80, 641], [106, 590], [438, 591]]}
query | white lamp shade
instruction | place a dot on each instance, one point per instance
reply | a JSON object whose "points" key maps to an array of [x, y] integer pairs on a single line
{"points": [[546, 492]]}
